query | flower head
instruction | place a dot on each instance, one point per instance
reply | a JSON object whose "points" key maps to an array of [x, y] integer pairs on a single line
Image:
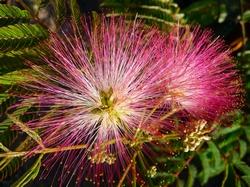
{"points": [[201, 75], [98, 91], [104, 88]]}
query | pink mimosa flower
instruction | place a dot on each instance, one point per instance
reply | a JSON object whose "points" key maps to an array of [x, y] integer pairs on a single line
{"points": [[99, 89], [96, 91], [201, 75]]}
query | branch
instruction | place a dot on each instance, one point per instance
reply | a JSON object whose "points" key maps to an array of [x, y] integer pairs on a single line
{"points": [[42, 151]]}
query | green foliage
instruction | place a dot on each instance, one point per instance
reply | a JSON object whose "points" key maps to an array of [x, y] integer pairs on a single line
{"points": [[14, 77], [212, 163], [9, 166], [3, 98], [192, 173], [164, 13], [30, 174], [224, 154], [204, 12], [60, 9], [75, 10], [11, 61], [246, 16], [18, 36], [6, 124], [5, 102], [11, 15], [63, 8], [11, 139], [15, 31]]}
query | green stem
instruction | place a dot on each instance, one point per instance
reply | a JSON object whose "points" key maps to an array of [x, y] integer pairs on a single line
{"points": [[243, 27]]}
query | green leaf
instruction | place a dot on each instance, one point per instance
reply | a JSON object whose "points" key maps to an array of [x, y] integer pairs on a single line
{"points": [[4, 125], [225, 176], [29, 175], [212, 163], [247, 132], [223, 13], [32, 133], [203, 12], [246, 16], [14, 77], [60, 9], [218, 162], [2, 147], [164, 13], [205, 174], [11, 61], [243, 148], [179, 183], [9, 166], [14, 60], [243, 167], [18, 36], [12, 14], [6, 101], [238, 183], [8, 137], [75, 11], [192, 172], [228, 141], [246, 179], [228, 130], [3, 97]]}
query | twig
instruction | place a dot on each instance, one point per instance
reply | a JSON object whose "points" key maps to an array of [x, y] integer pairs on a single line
{"points": [[127, 170], [42, 151], [82, 146], [243, 27]]}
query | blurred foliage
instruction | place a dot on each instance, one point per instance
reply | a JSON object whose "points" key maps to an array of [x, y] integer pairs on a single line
{"points": [[161, 12], [223, 161]]}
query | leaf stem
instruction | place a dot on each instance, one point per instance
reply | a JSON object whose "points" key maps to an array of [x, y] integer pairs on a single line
{"points": [[42, 151]]}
